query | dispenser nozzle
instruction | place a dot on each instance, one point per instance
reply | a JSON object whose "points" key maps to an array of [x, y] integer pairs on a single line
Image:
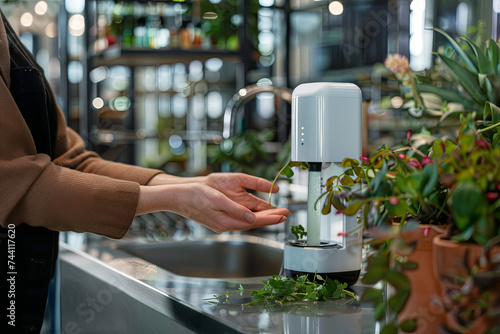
{"points": [[313, 210]]}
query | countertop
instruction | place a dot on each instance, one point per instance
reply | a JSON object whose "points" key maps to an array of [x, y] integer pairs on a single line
{"points": [[104, 289]]}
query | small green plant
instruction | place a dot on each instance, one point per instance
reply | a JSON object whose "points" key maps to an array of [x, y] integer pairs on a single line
{"points": [[288, 172], [279, 290], [400, 184]]}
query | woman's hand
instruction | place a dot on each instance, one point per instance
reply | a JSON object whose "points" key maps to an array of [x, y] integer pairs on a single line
{"points": [[234, 186], [209, 206]]}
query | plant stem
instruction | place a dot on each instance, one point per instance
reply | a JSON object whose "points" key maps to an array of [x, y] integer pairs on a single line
{"points": [[276, 179], [415, 92], [405, 148], [488, 128], [349, 293]]}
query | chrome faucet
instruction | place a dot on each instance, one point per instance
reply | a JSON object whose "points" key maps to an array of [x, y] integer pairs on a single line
{"points": [[243, 96]]}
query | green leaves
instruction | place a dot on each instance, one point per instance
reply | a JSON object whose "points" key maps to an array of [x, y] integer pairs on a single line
{"points": [[419, 184], [491, 115], [467, 203], [483, 63], [449, 96], [469, 64], [398, 301], [346, 180], [398, 280], [440, 147], [468, 79], [493, 53], [279, 290], [390, 329], [374, 275], [348, 162], [383, 268], [288, 172], [430, 179], [409, 326], [353, 208], [491, 111], [398, 185], [400, 209], [298, 231], [372, 296], [477, 71], [327, 208]]}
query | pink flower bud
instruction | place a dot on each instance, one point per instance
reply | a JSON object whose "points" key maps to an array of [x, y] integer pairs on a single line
{"points": [[482, 143], [339, 212], [415, 163], [408, 134], [491, 195], [393, 200], [364, 159], [401, 156], [426, 161]]}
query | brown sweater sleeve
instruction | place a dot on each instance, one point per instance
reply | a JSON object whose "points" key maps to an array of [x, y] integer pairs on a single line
{"points": [[39, 192], [77, 191]]}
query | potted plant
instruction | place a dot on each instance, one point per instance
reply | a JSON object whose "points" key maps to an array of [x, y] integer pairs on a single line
{"points": [[471, 173], [467, 257], [403, 205]]}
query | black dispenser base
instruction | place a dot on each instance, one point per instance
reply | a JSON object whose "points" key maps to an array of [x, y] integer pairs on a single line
{"points": [[349, 277]]}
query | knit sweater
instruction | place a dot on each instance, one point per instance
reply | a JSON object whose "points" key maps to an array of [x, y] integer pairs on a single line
{"points": [[76, 191]]}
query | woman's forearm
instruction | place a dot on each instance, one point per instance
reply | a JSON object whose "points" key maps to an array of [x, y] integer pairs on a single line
{"points": [[163, 179], [150, 199]]}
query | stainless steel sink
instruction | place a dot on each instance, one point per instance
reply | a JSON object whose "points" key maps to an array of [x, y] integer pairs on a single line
{"points": [[220, 256]]}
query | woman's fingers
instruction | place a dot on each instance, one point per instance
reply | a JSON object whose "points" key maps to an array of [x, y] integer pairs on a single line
{"points": [[256, 183], [271, 217], [227, 222], [253, 202]]}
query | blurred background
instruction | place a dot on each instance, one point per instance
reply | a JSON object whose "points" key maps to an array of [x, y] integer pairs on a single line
{"points": [[175, 84]]}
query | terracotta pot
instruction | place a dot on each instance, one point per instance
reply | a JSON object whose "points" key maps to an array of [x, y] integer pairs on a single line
{"points": [[449, 258], [424, 284]]}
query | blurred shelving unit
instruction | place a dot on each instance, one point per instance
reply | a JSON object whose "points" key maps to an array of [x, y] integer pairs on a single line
{"points": [[156, 76]]}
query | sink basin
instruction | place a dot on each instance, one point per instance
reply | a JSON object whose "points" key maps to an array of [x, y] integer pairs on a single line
{"points": [[221, 256]]}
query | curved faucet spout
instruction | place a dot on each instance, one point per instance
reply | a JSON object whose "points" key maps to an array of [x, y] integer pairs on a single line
{"points": [[243, 96]]}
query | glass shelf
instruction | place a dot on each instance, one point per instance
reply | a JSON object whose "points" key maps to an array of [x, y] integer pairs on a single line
{"points": [[153, 57]]}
